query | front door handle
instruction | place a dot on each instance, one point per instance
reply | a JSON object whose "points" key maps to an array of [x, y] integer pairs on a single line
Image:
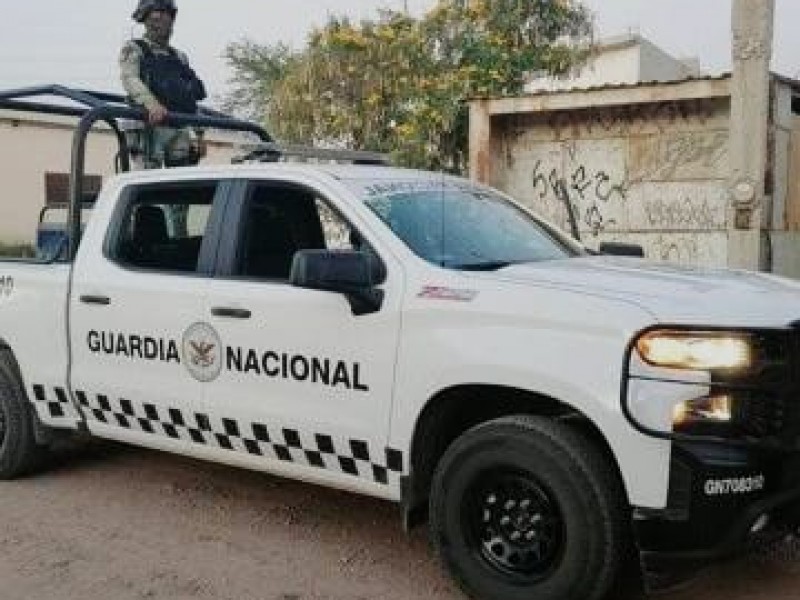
{"points": [[231, 313], [98, 300]]}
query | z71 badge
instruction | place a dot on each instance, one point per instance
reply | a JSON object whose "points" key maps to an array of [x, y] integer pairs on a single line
{"points": [[6, 286]]}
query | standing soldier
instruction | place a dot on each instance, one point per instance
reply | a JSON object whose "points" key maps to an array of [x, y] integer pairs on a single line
{"points": [[158, 78]]}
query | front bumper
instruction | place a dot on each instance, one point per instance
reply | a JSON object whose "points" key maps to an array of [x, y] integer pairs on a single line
{"points": [[722, 502], [733, 482]]}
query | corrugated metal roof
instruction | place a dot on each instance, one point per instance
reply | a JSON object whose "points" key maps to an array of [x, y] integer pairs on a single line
{"points": [[793, 83], [616, 86]]}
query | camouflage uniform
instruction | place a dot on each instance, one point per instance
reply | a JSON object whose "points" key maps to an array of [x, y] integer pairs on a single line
{"points": [[153, 147]]}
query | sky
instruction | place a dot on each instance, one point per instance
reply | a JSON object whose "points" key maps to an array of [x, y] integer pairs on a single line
{"points": [[77, 43]]}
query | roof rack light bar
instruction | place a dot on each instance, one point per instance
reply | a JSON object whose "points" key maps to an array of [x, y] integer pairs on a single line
{"points": [[272, 152]]}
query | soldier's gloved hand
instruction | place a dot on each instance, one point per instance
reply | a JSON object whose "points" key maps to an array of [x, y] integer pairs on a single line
{"points": [[156, 115]]}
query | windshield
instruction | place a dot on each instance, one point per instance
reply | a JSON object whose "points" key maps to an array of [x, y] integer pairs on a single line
{"points": [[460, 226]]}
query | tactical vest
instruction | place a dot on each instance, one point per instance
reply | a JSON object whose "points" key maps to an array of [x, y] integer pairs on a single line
{"points": [[170, 80]]}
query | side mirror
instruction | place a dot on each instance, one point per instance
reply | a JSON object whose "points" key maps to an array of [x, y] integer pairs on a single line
{"points": [[354, 274], [621, 249]]}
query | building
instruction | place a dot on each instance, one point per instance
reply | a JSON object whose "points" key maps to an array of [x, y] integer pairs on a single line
{"points": [[648, 163], [624, 59], [35, 153]]}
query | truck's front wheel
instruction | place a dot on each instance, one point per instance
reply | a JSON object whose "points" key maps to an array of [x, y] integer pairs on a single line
{"points": [[523, 508], [19, 452]]}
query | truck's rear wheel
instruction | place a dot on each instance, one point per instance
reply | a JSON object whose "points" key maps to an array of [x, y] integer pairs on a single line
{"points": [[523, 508], [19, 452]]}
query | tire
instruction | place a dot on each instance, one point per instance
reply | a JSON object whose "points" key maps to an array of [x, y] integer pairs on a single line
{"points": [[19, 453], [525, 508]]}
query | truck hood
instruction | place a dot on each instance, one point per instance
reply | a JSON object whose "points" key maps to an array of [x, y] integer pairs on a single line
{"points": [[672, 294]]}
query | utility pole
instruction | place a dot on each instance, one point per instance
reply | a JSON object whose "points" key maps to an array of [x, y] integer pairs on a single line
{"points": [[750, 208]]}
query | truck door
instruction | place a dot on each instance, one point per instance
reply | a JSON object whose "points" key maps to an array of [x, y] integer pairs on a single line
{"points": [[304, 383], [130, 308]]}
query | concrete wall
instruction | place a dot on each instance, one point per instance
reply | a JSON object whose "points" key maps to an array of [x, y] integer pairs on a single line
{"points": [[653, 165], [27, 151], [657, 65], [650, 174], [30, 146], [786, 238], [609, 66], [626, 60], [793, 197]]}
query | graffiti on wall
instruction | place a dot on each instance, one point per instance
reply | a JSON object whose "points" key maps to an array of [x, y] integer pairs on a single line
{"points": [[683, 213], [687, 249], [675, 206], [678, 248], [683, 155], [673, 182], [674, 249], [585, 181], [631, 119], [653, 173], [587, 191]]}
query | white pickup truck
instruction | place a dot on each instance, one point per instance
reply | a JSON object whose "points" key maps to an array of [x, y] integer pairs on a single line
{"points": [[418, 338]]}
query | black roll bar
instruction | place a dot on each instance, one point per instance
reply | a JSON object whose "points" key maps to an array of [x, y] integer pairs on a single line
{"points": [[108, 108]]}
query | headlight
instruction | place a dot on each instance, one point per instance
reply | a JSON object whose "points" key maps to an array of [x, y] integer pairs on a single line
{"points": [[714, 383], [696, 350], [715, 409]]}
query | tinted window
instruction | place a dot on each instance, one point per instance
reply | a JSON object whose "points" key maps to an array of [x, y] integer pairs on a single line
{"points": [[279, 221], [164, 228]]}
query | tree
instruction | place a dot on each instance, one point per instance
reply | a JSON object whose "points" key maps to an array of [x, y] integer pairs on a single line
{"points": [[399, 84], [257, 71]]}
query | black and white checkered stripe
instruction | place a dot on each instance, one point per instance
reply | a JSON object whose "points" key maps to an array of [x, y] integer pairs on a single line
{"points": [[352, 457], [54, 404], [323, 451]]}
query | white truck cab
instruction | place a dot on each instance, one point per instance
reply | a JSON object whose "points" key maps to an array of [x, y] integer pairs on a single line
{"points": [[418, 338]]}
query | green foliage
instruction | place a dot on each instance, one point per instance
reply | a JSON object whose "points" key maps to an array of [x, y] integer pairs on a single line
{"points": [[399, 84], [257, 71]]}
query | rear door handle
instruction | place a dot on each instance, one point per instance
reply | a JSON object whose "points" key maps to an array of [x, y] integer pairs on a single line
{"points": [[231, 313], [98, 300]]}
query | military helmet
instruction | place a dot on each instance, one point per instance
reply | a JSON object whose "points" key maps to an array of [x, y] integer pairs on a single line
{"points": [[145, 6]]}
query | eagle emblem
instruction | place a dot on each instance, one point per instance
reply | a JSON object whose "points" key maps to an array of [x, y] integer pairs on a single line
{"points": [[202, 353]]}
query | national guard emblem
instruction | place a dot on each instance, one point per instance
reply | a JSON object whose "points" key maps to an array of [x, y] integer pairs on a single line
{"points": [[202, 352]]}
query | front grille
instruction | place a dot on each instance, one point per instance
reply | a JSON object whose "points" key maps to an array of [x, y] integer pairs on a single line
{"points": [[767, 397], [789, 393], [761, 414], [795, 355]]}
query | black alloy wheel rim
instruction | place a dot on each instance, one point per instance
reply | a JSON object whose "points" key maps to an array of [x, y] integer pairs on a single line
{"points": [[3, 425], [514, 525]]}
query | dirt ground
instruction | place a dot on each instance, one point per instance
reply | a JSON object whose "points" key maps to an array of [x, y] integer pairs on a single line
{"points": [[112, 522]]}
